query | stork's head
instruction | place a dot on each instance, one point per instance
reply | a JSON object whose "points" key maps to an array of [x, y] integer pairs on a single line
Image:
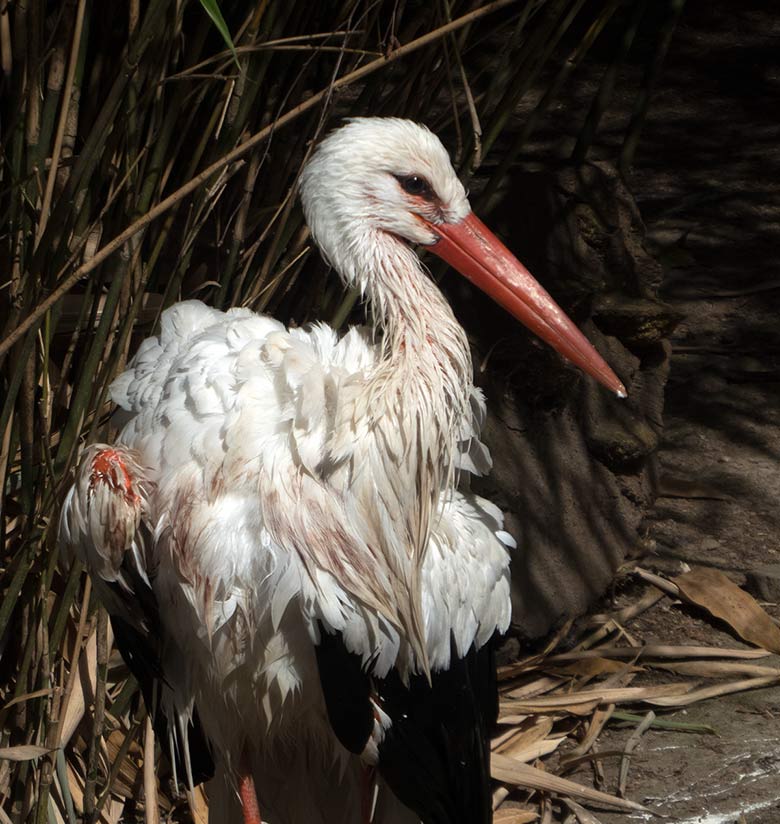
{"points": [[381, 173], [390, 178]]}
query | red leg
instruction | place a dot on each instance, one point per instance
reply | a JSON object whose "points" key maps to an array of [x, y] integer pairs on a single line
{"points": [[367, 805], [248, 795]]}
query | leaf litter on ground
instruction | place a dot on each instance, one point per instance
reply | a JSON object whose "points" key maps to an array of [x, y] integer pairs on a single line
{"points": [[554, 705]]}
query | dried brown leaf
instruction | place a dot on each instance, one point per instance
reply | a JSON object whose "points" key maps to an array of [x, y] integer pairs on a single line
{"points": [[582, 815], [703, 694], [595, 726], [717, 669], [22, 752], [660, 651], [510, 771], [536, 687], [720, 596], [578, 702], [129, 775], [533, 729], [531, 751], [500, 795], [512, 719], [113, 811], [83, 689], [513, 670], [75, 786], [591, 667], [508, 815], [199, 805], [28, 696], [580, 708]]}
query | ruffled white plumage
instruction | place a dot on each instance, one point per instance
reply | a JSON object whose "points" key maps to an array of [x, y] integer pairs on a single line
{"points": [[227, 409], [234, 400]]}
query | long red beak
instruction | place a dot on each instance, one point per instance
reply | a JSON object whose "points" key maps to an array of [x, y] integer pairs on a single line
{"points": [[471, 248]]}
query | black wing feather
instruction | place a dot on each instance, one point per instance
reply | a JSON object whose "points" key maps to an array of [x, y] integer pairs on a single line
{"points": [[435, 756], [347, 690], [139, 642]]}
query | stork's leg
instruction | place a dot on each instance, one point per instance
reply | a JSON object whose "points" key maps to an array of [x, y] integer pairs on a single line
{"points": [[367, 801], [248, 795], [247, 791]]}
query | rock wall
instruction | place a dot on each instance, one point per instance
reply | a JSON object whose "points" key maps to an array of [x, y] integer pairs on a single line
{"points": [[573, 466]]}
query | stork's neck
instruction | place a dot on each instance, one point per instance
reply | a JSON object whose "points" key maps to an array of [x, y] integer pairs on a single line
{"points": [[414, 407], [419, 395], [420, 402], [425, 351]]}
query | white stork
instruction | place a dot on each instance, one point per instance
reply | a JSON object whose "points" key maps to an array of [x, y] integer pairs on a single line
{"points": [[294, 570]]}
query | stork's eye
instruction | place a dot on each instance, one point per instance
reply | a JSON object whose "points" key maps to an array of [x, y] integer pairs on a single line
{"points": [[415, 185]]}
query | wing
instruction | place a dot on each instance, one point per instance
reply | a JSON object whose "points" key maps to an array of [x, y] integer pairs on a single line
{"points": [[236, 415], [104, 523], [101, 524], [245, 421]]}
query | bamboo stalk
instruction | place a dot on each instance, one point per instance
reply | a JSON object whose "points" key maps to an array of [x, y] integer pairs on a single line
{"points": [[55, 157], [91, 812], [539, 46], [151, 811], [90, 153], [23, 561], [552, 91], [51, 722], [652, 74], [599, 105], [6, 50], [233, 155], [85, 386]]}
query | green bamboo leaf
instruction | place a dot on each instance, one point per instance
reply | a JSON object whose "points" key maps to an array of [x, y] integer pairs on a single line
{"points": [[663, 723], [211, 8]]}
